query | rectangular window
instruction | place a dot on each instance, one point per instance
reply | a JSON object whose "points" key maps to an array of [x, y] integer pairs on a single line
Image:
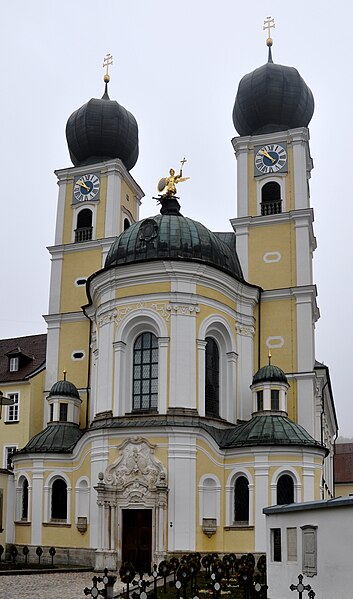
{"points": [[14, 364], [292, 545], [13, 412], [309, 550], [276, 547], [51, 412], [63, 412], [274, 399], [9, 451], [260, 400]]}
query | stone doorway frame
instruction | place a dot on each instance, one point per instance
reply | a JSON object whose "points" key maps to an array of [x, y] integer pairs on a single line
{"points": [[136, 480]]}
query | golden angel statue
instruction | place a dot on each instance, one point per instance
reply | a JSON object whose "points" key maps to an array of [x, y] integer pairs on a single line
{"points": [[169, 183]]}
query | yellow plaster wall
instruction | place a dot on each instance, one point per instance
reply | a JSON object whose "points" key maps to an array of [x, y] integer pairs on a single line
{"points": [[16, 433], [272, 238], [343, 489], [278, 318], [129, 204], [216, 296], [37, 386], [80, 264], [74, 336], [23, 534], [148, 288]]}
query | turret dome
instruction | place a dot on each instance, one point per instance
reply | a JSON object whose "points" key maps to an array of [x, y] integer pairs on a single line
{"points": [[271, 374], [102, 130], [272, 98], [65, 389]]}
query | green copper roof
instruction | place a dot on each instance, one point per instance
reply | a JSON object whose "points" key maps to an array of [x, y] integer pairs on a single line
{"points": [[270, 373], [57, 437], [171, 236], [64, 388], [268, 429]]}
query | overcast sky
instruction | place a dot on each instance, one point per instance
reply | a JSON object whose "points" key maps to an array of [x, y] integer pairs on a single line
{"points": [[176, 68]]}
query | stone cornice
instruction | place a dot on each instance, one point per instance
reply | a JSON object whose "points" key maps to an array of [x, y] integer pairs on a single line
{"points": [[302, 217]]}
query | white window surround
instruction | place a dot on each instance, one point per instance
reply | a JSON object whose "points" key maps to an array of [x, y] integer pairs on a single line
{"points": [[260, 182], [48, 492], [76, 209], [80, 281], [296, 480], [230, 495], [14, 363], [78, 351], [19, 497], [215, 490], [218, 328], [13, 447], [13, 412], [82, 498], [130, 328]]}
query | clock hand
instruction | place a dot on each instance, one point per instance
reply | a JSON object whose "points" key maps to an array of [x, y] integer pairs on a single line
{"points": [[82, 184], [264, 153]]}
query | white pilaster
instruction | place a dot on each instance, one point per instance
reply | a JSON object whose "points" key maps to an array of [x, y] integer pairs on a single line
{"points": [[201, 356], [182, 491], [183, 363], [231, 388], [261, 500], [163, 343], [119, 402], [240, 145], [37, 505], [113, 204], [245, 344], [99, 462], [59, 229], [104, 399]]}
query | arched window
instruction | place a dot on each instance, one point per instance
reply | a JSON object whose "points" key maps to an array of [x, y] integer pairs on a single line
{"points": [[24, 500], [285, 490], [212, 378], [126, 223], [59, 500], [84, 227], [271, 202], [241, 500], [145, 373]]}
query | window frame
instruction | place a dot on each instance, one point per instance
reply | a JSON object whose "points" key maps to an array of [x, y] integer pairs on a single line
{"points": [[276, 544], [146, 351], [55, 519], [216, 372], [14, 364], [238, 522], [13, 412], [14, 446], [281, 476]]}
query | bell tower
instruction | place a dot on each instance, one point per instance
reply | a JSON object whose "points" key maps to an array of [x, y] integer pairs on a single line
{"points": [[274, 224], [97, 200]]}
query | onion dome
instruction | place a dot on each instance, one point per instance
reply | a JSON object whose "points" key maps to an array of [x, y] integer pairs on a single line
{"points": [[172, 236], [274, 429], [65, 389], [102, 130], [271, 374], [272, 98], [57, 437]]}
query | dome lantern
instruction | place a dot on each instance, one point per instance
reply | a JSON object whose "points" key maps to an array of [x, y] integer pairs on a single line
{"points": [[64, 402]]}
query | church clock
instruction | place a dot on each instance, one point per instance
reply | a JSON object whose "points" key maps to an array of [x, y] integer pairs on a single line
{"points": [[86, 188], [270, 159]]}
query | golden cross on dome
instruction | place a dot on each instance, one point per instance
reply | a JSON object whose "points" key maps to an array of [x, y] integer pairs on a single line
{"points": [[269, 358], [268, 24], [108, 60]]}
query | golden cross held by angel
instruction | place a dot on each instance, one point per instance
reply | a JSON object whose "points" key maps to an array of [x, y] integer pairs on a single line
{"points": [[169, 183]]}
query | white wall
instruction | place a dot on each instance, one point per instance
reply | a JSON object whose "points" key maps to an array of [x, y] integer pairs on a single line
{"points": [[334, 551]]}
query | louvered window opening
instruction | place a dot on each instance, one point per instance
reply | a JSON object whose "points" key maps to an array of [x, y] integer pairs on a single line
{"points": [[145, 373]]}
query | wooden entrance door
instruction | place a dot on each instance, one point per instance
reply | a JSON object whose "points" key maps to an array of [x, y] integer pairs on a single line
{"points": [[137, 538]]}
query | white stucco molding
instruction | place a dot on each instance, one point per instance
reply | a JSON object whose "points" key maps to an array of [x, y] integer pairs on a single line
{"points": [[293, 473], [229, 489], [215, 490]]}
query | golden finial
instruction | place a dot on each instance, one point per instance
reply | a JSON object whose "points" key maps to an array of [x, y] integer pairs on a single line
{"points": [[268, 24], [64, 373], [108, 60], [170, 183], [269, 358]]}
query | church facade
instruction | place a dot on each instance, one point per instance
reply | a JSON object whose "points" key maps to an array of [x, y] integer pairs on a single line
{"points": [[191, 397]]}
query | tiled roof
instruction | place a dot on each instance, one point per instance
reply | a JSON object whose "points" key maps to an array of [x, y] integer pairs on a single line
{"points": [[343, 463], [31, 348], [57, 437]]}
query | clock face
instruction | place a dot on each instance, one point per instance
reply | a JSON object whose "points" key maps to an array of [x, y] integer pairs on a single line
{"points": [[86, 188], [270, 159]]}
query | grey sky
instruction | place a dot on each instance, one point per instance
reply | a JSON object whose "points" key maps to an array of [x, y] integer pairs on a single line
{"points": [[176, 68]]}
